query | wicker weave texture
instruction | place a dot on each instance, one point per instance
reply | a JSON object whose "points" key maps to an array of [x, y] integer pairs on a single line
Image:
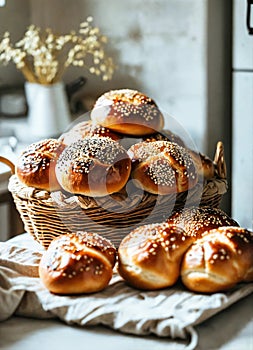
{"points": [[47, 215]]}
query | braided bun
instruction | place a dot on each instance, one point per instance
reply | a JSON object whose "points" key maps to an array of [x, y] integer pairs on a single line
{"points": [[204, 165], [87, 128], [128, 112], [162, 167], [95, 166], [36, 165], [150, 256], [219, 260], [77, 263], [164, 135], [195, 221]]}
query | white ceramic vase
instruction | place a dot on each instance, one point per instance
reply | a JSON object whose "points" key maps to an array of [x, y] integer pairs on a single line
{"points": [[48, 110]]}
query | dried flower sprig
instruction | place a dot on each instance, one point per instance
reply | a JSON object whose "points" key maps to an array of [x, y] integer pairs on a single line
{"points": [[43, 57]]}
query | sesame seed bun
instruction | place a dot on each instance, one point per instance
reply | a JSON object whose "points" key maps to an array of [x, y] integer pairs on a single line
{"points": [[219, 260], [204, 165], [150, 256], [164, 135], [77, 263], [162, 167], [87, 128], [128, 112], [95, 166], [36, 165], [197, 220]]}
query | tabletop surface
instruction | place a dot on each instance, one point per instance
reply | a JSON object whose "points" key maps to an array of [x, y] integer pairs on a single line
{"points": [[231, 329]]}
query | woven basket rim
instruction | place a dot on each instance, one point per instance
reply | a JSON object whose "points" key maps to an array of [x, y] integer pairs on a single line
{"points": [[47, 215], [60, 198]]}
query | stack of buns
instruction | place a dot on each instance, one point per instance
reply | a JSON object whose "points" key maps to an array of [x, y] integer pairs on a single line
{"points": [[92, 159], [203, 247], [208, 252]]}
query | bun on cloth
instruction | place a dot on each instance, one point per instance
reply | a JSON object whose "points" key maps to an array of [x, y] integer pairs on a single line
{"points": [[128, 112], [219, 260], [150, 256], [197, 220], [77, 263]]}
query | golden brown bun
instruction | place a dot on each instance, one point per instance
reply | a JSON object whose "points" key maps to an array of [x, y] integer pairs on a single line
{"points": [[164, 135], [36, 165], [95, 166], [128, 112], [87, 128], [150, 256], [218, 261], [203, 164], [195, 221], [77, 263], [162, 167]]}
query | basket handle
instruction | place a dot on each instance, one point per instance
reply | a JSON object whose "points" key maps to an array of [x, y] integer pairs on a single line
{"points": [[219, 161], [9, 163]]}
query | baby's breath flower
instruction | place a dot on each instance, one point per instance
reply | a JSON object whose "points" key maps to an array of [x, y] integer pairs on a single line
{"points": [[44, 56]]}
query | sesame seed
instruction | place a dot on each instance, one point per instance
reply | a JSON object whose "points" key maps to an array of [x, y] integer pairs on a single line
{"points": [[196, 220], [81, 155], [160, 158], [129, 103]]}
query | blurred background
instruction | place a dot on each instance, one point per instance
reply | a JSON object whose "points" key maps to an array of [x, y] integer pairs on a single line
{"points": [[193, 57]]}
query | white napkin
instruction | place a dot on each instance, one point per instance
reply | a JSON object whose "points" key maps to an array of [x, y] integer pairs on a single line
{"points": [[171, 312]]}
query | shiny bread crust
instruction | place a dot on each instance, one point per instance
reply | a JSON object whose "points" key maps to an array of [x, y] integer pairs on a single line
{"points": [[77, 263], [127, 111]]}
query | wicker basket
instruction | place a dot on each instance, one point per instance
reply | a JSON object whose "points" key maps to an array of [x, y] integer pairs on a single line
{"points": [[47, 215]]}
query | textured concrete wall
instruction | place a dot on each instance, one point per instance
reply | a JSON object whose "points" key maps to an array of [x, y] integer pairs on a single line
{"points": [[14, 17], [159, 47]]}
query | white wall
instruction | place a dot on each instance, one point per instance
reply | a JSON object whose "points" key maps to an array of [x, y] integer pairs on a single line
{"points": [[160, 49]]}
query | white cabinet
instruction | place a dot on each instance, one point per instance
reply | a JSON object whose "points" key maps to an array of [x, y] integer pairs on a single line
{"points": [[242, 41], [242, 166], [242, 137]]}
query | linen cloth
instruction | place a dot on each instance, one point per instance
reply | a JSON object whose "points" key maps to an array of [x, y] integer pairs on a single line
{"points": [[171, 312]]}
